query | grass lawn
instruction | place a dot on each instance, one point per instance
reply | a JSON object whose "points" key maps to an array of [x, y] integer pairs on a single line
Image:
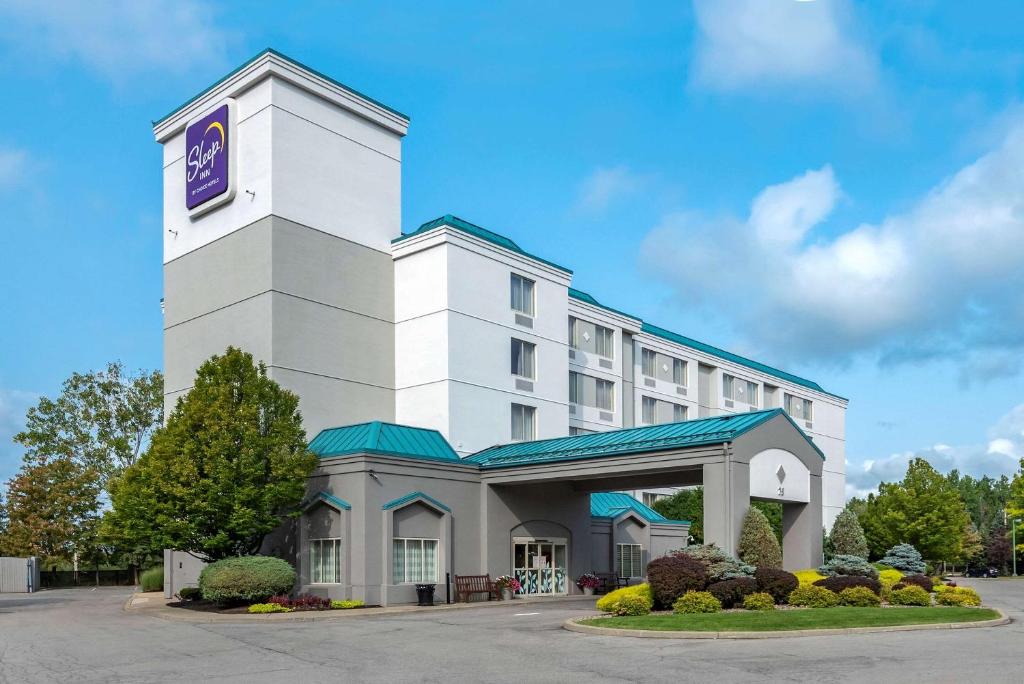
{"points": [[812, 618]]}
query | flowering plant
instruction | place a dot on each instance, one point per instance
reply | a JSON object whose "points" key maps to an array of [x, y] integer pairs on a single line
{"points": [[508, 582], [588, 580]]}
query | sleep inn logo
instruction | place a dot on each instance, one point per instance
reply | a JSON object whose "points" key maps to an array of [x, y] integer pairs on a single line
{"points": [[207, 142]]}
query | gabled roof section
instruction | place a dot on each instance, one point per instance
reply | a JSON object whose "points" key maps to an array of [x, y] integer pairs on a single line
{"points": [[329, 498], [478, 232], [414, 496], [691, 433], [386, 439], [614, 504]]}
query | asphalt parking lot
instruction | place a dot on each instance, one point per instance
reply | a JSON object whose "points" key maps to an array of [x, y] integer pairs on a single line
{"points": [[85, 635]]}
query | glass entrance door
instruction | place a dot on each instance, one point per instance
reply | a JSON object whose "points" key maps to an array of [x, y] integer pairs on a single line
{"points": [[540, 566]]}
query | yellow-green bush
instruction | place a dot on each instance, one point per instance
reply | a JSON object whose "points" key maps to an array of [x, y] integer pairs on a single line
{"points": [[889, 577], [859, 597], [345, 605], [606, 604], [808, 577], [759, 601], [911, 595], [697, 602], [268, 608], [632, 604], [813, 597], [958, 596]]}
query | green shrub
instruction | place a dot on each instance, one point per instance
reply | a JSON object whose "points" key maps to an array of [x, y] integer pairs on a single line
{"points": [[672, 576], [268, 608], [718, 564], [779, 583], [848, 565], [808, 577], [632, 604], [607, 603], [758, 544], [152, 579], [859, 597], [190, 594], [696, 602], [759, 601], [889, 577], [246, 579], [958, 596], [813, 597], [911, 595], [840, 582], [732, 591], [904, 557], [346, 605]]}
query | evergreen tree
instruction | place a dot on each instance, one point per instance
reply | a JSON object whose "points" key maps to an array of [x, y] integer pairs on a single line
{"points": [[847, 536], [228, 467], [758, 545]]}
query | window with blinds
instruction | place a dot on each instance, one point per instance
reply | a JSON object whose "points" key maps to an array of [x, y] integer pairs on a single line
{"points": [[414, 560], [629, 560], [325, 561], [522, 295]]}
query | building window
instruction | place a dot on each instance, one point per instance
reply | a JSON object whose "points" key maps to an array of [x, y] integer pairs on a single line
{"points": [[574, 333], [523, 363], [678, 413], [737, 389], [651, 498], [604, 344], [414, 560], [522, 295], [679, 372], [575, 388], [800, 409], [648, 410], [574, 431], [648, 360], [325, 561], [629, 560], [605, 395], [524, 423]]}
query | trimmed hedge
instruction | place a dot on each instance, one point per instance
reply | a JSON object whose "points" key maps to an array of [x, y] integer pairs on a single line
{"points": [[190, 594], [608, 602], [912, 595], [813, 597], [923, 581], [246, 579], [152, 579], [759, 601], [696, 602], [731, 592], [958, 596], [346, 605], [779, 583], [859, 597], [672, 576], [632, 604], [848, 565], [841, 582]]}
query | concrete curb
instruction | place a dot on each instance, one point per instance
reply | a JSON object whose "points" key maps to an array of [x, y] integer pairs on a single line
{"points": [[573, 625], [155, 605]]}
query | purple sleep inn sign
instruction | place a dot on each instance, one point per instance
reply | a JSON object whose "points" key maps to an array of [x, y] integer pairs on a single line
{"points": [[208, 148]]}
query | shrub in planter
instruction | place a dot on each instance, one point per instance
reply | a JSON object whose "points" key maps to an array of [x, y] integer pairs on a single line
{"points": [[152, 579], [732, 591], [813, 597], [922, 581], [672, 576], [246, 579], [719, 565], [759, 601], [779, 583], [696, 602], [632, 604], [607, 603], [808, 577], [911, 595], [848, 565], [346, 605], [268, 608], [904, 557], [859, 597], [841, 582], [190, 594], [958, 596]]}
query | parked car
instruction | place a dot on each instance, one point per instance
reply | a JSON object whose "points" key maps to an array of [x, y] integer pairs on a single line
{"points": [[982, 571]]}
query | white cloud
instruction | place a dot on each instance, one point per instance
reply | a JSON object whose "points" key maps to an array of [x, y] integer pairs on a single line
{"points": [[757, 43], [945, 278], [999, 455], [606, 185], [12, 166], [118, 38]]}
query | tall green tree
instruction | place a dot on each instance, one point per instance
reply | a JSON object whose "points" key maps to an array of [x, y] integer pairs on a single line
{"points": [[847, 536], [230, 464], [688, 504], [923, 509], [758, 545], [985, 498]]}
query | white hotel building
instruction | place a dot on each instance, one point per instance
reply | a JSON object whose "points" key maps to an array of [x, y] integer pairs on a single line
{"points": [[449, 326]]}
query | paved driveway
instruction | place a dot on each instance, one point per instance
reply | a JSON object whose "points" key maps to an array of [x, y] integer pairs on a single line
{"points": [[84, 636]]}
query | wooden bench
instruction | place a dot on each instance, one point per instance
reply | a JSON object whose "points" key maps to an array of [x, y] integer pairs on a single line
{"points": [[465, 585]]}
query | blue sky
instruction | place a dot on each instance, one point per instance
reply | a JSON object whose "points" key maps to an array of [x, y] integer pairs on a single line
{"points": [[833, 188]]}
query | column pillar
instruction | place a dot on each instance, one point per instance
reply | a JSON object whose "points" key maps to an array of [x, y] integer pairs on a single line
{"points": [[802, 531], [726, 500]]}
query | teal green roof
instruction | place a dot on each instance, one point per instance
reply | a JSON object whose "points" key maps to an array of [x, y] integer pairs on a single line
{"points": [[614, 504], [691, 433], [477, 231], [329, 498], [297, 63], [385, 439], [706, 348], [413, 496]]}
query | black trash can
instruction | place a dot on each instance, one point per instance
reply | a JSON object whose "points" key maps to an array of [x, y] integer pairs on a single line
{"points": [[425, 594]]}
